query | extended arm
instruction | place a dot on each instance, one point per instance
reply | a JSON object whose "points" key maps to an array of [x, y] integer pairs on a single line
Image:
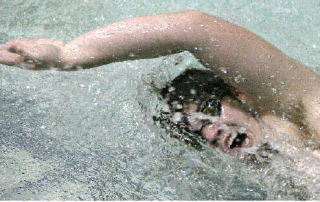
{"points": [[134, 38], [271, 78]]}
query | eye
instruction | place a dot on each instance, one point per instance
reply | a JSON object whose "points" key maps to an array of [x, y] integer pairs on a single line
{"points": [[212, 107]]}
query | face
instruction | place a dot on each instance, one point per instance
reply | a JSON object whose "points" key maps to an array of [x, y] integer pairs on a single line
{"points": [[233, 128]]}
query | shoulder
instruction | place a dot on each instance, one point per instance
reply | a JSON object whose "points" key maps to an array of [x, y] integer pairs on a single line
{"points": [[311, 105]]}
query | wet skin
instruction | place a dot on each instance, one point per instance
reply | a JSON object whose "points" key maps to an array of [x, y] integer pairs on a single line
{"points": [[234, 129], [237, 127]]}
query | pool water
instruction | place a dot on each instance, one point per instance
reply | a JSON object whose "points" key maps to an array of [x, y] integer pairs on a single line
{"points": [[89, 135]]}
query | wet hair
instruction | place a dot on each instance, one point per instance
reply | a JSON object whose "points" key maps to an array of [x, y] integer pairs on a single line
{"points": [[192, 86]]}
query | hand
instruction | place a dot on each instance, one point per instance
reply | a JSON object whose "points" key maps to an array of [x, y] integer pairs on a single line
{"points": [[32, 53]]}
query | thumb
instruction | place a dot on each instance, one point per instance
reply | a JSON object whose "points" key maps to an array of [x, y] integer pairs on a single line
{"points": [[8, 58]]}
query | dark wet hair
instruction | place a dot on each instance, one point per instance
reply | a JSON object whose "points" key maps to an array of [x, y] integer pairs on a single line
{"points": [[196, 86]]}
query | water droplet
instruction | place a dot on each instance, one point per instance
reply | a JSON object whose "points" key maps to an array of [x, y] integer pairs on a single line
{"points": [[237, 79], [242, 130], [171, 89], [193, 91], [179, 106], [177, 117], [223, 69]]}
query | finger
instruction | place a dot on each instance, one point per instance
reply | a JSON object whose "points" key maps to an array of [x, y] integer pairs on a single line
{"points": [[8, 58], [30, 48], [17, 45]]}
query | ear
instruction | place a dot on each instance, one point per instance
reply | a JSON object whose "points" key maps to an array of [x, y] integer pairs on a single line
{"points": [[241, 96]]}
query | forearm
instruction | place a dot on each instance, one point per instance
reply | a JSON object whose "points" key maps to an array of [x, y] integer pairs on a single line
{"points": [[134, 38]]}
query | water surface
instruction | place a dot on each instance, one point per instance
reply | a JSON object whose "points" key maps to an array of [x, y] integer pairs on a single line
{"points": [[90, 135]]}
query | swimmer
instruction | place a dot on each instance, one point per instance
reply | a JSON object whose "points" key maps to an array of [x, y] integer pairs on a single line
{"points": [[266, 88]]}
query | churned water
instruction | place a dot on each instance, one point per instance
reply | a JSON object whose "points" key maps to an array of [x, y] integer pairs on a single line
{"points": [[90, 135]]}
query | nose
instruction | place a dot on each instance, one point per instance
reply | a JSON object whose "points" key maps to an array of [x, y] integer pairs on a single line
{"points": [[211, 132]]}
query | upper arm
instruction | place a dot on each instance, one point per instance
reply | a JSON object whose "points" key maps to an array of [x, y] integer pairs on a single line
{"points": [[275, 81]]}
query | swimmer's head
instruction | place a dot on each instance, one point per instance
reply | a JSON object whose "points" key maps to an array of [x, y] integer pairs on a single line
{"points": [[195, 86], [208, 111]]}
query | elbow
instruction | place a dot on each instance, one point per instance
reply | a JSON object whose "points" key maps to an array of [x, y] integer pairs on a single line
{"points": [[196, 16], [199, 27], [193, 13]]}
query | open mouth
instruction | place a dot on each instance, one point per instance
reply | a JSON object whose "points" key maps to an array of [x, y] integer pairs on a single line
{"points": [[236, 141], [227, 138]]}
